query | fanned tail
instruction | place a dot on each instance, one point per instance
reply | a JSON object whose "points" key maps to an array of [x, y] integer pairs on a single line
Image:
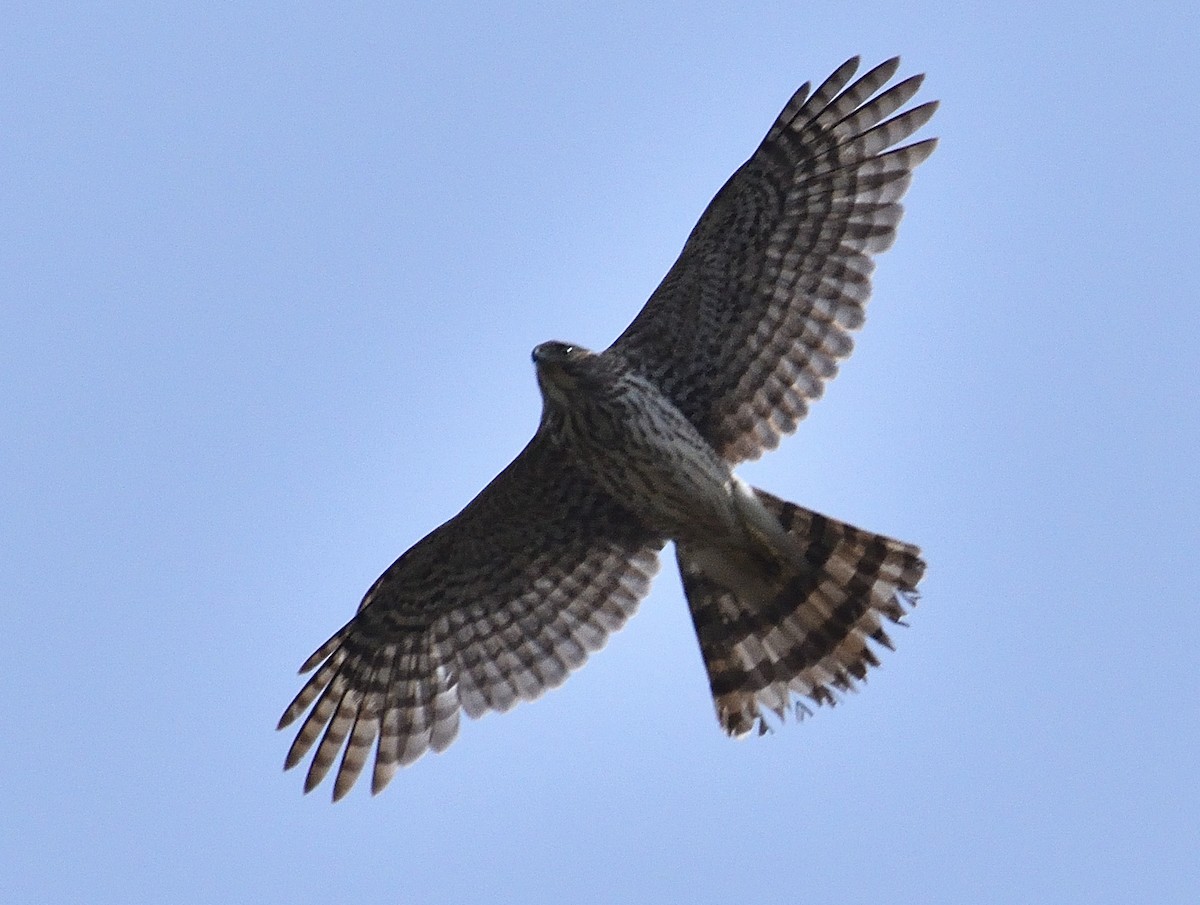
{"points": [[797, 630]]}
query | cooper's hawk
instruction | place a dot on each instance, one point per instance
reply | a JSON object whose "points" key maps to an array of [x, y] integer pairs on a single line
{"points": [[636, 447]]}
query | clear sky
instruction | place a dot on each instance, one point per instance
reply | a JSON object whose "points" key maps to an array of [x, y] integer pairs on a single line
{"points": [[270, 277]]}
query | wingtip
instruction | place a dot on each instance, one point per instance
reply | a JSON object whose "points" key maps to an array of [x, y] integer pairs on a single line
{"points": [[916, 81], [919, 151], [382, 774], [292, 759], [887, 68], [311, 781], [919, 115], [292, 711], [310, 664]]}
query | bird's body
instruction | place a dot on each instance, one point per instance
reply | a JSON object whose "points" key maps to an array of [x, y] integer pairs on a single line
{"points": [[636, 447], [634, 443]]}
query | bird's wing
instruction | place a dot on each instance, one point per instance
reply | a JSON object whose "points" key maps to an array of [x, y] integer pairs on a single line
{"points": [[754, 317], [497, 605]]}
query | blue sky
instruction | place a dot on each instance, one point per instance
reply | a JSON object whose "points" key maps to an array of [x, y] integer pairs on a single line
{"points": [[271, 279]]}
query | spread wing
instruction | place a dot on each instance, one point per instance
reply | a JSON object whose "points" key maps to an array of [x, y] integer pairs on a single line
{"points": [[497, 605], [754, 317]]}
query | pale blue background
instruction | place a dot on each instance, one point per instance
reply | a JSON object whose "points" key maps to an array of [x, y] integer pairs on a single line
{"points": [[270, 278]]}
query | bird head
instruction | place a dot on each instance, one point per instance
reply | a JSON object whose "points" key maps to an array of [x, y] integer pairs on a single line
{"points": [[561, 367]]}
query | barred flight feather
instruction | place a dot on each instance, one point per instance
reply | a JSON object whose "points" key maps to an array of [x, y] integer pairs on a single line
{"points": [[636, 447]]}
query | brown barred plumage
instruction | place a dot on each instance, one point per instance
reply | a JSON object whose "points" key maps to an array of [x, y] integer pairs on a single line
{"points": [[636, 447], [808, 638]]}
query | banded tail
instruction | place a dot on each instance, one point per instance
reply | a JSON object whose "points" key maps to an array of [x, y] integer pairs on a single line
{"points": [[788, 631]]}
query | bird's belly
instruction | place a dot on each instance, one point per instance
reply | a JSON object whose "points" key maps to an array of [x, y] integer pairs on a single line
{"points": [[675, 484], [679, 501]]}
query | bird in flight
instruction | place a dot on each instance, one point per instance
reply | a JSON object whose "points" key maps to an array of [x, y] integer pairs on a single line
{"points": [[636, 447]]}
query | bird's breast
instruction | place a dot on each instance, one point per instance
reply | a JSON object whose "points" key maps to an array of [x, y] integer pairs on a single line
{"points": [[641, 450]]}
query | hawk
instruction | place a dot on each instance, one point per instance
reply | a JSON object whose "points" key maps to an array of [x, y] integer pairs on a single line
{"points": [[636, 447]]}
